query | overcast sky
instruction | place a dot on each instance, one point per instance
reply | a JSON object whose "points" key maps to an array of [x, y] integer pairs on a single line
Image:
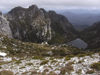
{"points": [[6, 5]]}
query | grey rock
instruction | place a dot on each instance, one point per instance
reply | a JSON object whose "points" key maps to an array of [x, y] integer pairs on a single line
{"points": [[34, 24], [4, 26]]}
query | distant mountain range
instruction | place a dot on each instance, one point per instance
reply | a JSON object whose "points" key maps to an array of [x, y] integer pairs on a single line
{"points": [[81, 19]]}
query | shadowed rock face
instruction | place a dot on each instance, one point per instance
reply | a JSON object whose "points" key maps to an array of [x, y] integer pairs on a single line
{"points": [[37, 25], [91, 35], [63, 29], [4, 26]]}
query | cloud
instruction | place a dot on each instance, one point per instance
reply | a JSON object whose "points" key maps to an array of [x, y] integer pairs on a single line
{"points": [[49, 4]]}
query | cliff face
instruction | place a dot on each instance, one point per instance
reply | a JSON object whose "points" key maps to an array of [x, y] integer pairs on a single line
{"points": [[37, 25], [4, 26], [91, 35], [30, 24]]}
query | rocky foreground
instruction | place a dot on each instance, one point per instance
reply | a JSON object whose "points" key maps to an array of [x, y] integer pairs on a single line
{"points": [[24, 58], [86, 65]]}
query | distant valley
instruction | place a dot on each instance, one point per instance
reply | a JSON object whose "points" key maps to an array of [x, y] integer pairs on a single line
{"points": [[81, 18]]}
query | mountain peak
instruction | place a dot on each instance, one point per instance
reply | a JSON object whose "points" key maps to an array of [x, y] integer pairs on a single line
{"points": [[33, 7]]}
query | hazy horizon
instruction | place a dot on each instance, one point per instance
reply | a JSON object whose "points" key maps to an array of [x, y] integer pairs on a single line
{"points": [[6, 6]]}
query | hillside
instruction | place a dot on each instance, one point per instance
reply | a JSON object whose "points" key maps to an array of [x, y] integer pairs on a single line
{"points": [[16, 47], [91, 35], [24, 58]]}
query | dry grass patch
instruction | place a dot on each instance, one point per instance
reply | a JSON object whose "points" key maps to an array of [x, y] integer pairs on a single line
{"points": [[5, 72]]}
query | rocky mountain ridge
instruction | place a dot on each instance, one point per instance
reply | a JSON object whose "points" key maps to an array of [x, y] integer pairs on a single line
{"points": [[34, 24]]}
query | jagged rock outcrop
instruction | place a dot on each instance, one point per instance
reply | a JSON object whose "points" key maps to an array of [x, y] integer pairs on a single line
{"points": [[4, 26], [91, 35], [37, 25], [31, 24]]}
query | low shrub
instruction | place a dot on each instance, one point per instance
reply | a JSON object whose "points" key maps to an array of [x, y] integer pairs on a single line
{"points": [[29, 64], [96, 66], [18, 61], [68, 57], [68, 68], [90, 72], [44, 62], [38, 57]]}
